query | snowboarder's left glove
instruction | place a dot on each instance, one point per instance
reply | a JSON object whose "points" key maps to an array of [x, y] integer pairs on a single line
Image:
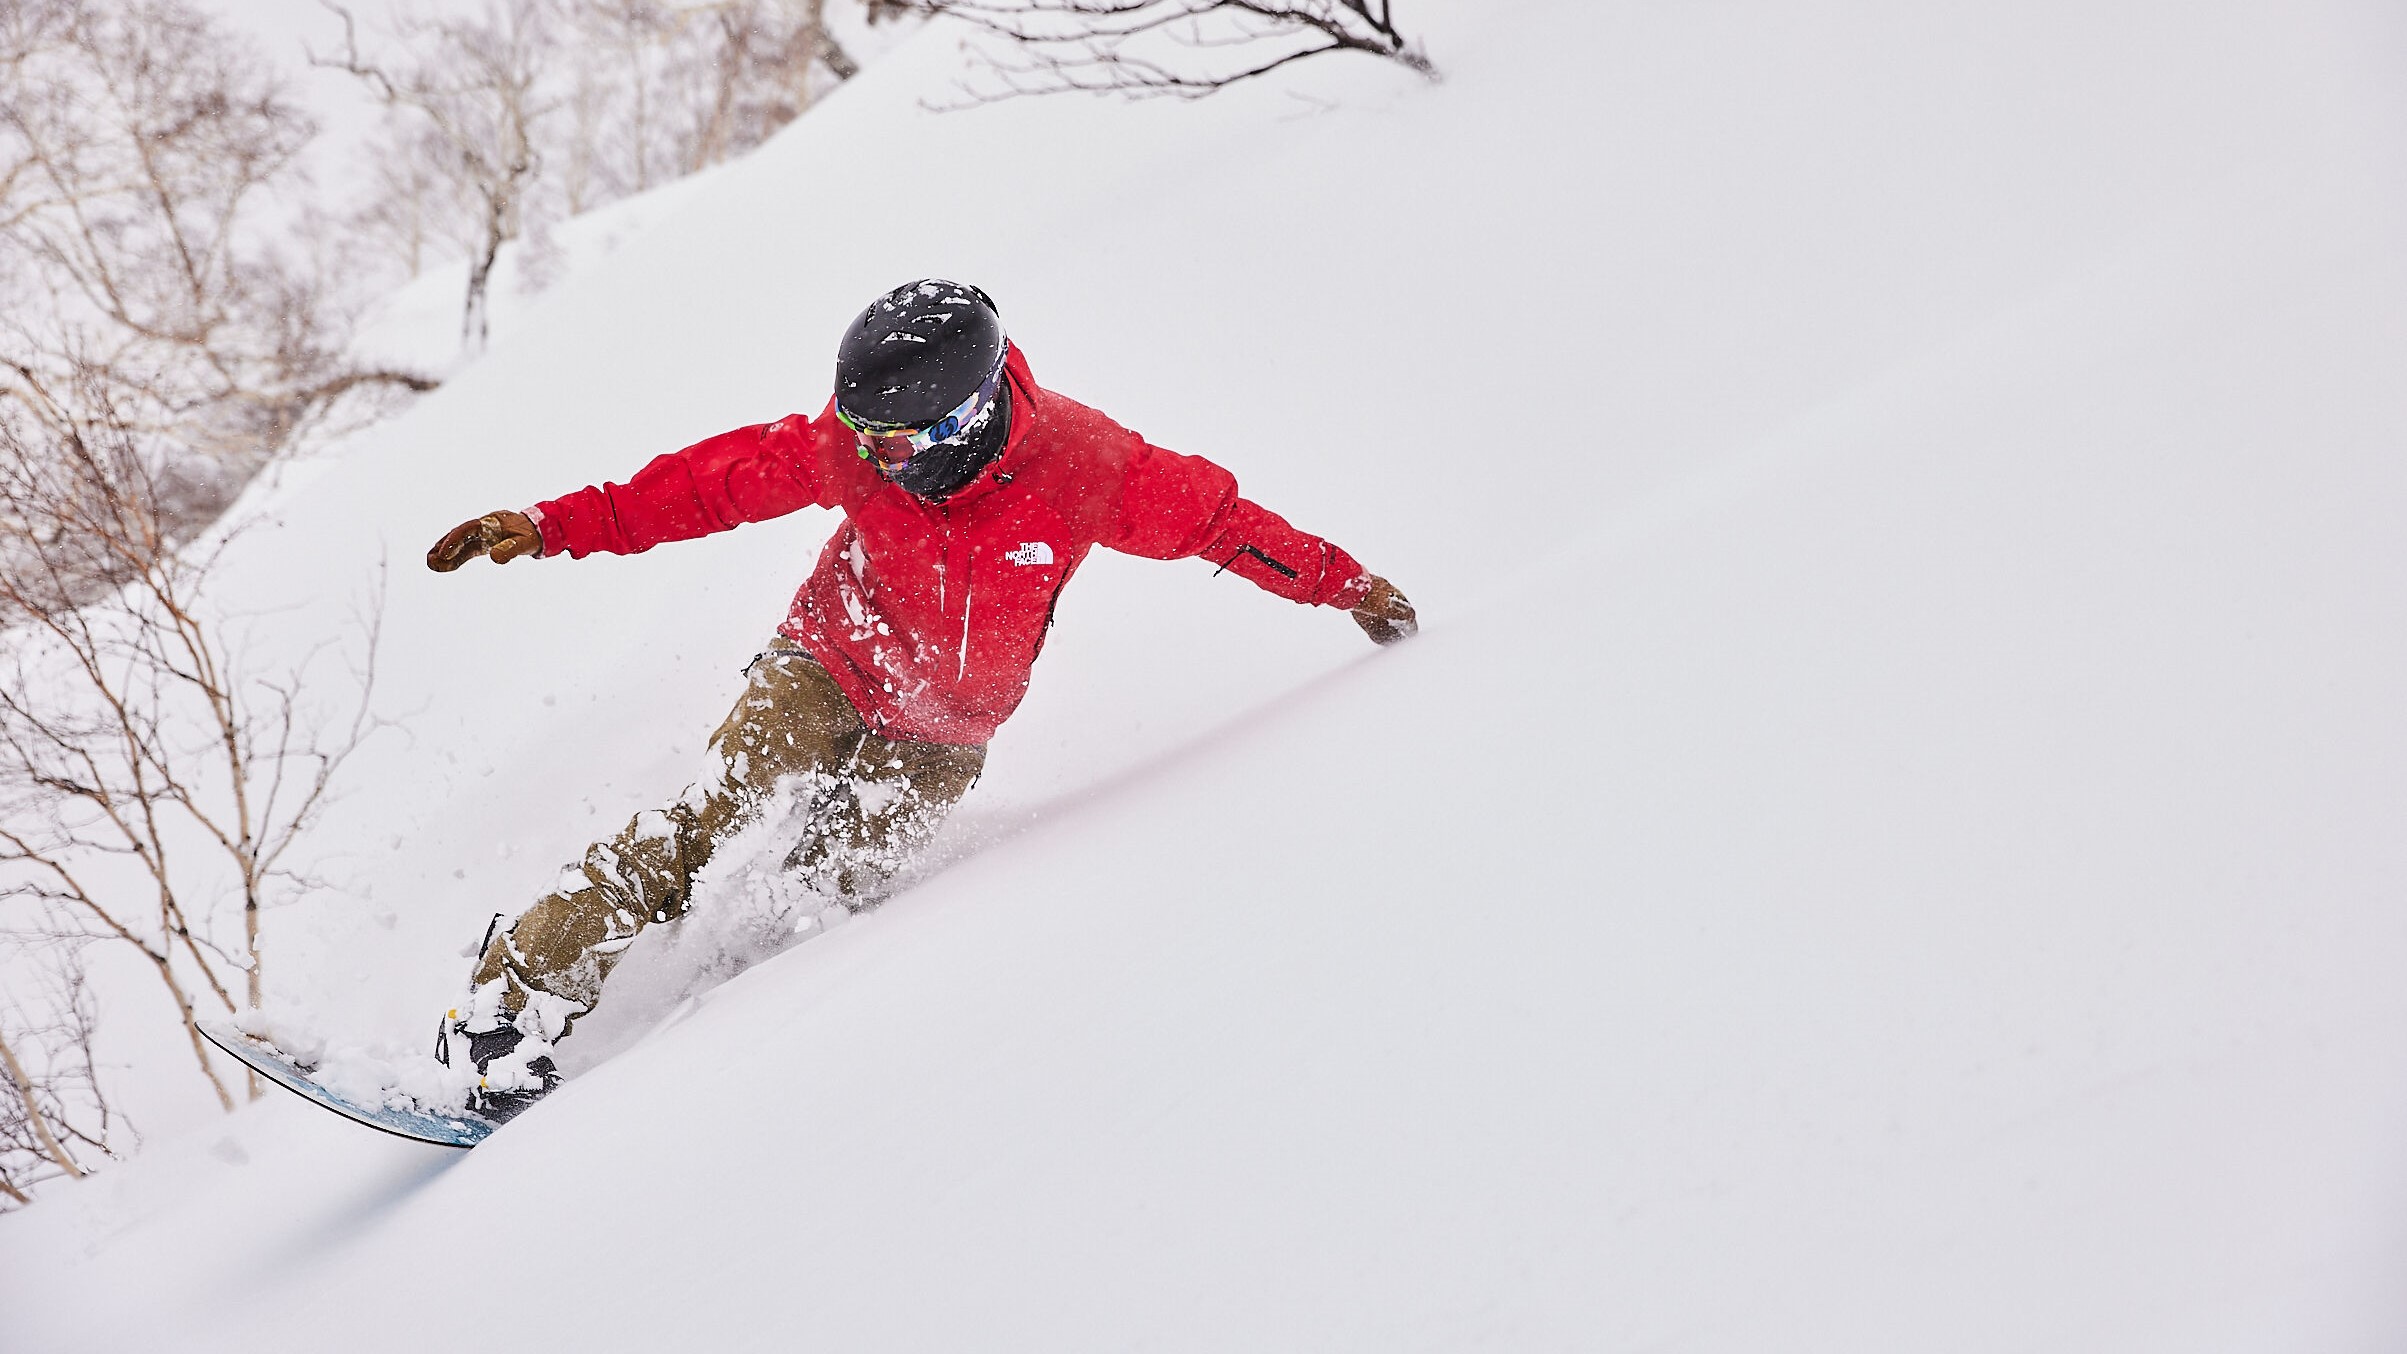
{"points": [[502, 536], [1384, 615]]}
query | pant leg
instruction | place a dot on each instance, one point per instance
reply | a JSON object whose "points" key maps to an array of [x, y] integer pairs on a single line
{"points": [[873, 819], [791, 720], [876, 801]]}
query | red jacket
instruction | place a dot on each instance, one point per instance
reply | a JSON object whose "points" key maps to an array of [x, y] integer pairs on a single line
{"points": [[929, 616]]}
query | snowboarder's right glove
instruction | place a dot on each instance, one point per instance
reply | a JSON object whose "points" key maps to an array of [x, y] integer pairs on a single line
{"points": [[502, 536], [1384, 615]]}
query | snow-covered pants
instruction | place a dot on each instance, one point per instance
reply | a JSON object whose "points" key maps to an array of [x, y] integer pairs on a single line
{"points": [[793, 745]]}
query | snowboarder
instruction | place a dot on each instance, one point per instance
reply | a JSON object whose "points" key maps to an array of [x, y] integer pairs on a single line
{"points": [[970, 494]]}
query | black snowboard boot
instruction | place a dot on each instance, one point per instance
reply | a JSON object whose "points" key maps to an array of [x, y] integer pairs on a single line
{"points": [[487, 1046]]}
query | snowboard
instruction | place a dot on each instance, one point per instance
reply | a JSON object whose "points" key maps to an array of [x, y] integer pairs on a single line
{"points": [[450, 1129]]}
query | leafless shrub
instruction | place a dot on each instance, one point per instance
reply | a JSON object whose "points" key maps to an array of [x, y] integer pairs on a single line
{"points": [[1162, 48], [141, 154], [663, 89], [54, 1114], [154, 777], [412, 211], [472, 92], [531, 110]]}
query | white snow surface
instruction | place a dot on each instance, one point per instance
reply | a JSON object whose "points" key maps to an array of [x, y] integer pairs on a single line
{"points": [[1890, 838]]}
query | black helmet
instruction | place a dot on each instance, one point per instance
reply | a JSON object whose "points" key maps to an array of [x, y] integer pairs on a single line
{"points": [[919, 379]]}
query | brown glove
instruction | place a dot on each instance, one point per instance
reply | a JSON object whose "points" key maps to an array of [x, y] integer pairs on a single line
{"points": [[503, 536], [1384, 615]]}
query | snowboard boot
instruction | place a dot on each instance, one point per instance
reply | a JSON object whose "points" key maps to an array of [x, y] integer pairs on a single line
{"points": [[519, 1088]]}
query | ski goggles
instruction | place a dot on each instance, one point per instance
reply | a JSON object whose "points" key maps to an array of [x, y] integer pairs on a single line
{"points": [[892, 445]]}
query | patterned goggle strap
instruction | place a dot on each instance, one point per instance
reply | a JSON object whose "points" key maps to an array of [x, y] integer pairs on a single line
{"points": [[893, 444]]}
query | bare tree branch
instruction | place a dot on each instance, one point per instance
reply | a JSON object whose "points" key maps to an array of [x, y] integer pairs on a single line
{"points": [[39, 1121], [51, 1103], [1161, 48], [148, 768], [143, 156], [478, 88], [533, 110]]}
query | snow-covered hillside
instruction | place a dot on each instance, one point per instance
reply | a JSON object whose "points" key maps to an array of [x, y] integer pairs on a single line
{"points": [[1889, 838]]}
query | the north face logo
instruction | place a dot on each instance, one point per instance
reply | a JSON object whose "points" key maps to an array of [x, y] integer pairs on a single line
{"points": [[1032, 552]]}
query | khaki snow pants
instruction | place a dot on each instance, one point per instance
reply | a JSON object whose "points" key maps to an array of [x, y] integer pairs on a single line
{"points": [[862, 804]]}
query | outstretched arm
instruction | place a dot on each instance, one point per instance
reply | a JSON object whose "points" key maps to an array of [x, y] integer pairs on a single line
{"points": [[1173, 506], [748, 475]]}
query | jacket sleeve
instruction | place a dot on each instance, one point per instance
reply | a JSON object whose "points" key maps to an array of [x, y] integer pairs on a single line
{"points": [[748, 475], [1172, 506]]}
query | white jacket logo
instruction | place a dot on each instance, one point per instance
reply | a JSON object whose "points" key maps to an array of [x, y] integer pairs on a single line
{"points": [[1031, 552]]}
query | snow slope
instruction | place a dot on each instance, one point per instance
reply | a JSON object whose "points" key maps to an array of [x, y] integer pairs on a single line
{"points": [[1888, 840]]}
